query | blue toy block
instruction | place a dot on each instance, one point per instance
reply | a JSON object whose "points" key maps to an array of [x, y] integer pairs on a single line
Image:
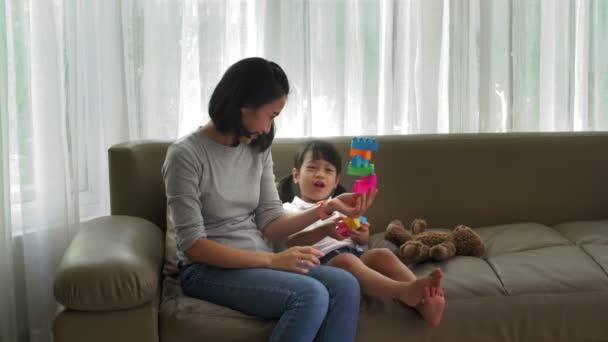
{"points": [[362, 219], [358, 161], [368, 144]]}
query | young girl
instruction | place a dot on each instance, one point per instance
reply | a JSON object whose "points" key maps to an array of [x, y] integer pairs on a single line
{"points": [[316, 173]]}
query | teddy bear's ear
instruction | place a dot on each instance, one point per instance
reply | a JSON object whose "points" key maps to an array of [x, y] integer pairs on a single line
{"points": [[396, 222], [418, 226], [396, 233]]}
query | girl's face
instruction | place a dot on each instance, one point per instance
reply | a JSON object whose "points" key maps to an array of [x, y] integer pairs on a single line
{"points": [[317, 179], [258, 121]]}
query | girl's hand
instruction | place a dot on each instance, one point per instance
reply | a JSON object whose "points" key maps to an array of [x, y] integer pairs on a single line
{"points": [[361, 235], [296, 259], [351, 204]]}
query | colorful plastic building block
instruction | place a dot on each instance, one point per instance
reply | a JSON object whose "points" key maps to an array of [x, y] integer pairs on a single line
{"points": [[347, 223], [352, 223], [365, 184], [363, 170], [365, 154], [342, 229], [369, 144], [361, 154], [357, 161]]}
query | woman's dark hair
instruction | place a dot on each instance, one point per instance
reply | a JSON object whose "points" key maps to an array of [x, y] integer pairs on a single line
{"points": [[320, 150], [251, 82]]}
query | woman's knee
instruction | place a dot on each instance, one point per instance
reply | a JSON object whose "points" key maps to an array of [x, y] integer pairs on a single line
{"points": [[311, 293], [342, 283]]}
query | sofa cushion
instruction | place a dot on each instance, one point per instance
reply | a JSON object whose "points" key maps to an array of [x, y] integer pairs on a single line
{"points": [[510, 238], [552, 278], [585, 232], [526, 258], [465, 277], [182, 317], [591, 236], [557, 269], [575, 316]]}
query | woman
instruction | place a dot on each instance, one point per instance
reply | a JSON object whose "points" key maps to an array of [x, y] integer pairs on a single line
{"points": [[224, 205]]}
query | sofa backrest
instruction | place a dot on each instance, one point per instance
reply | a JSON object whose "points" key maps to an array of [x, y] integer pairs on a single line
{"points": [[136, 183], [451, 179]]}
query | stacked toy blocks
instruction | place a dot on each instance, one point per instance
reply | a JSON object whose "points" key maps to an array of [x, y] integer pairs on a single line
{"points": [[360, 153]]}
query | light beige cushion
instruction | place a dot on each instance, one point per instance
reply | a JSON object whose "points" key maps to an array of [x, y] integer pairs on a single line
{"points": [[170, 264]]}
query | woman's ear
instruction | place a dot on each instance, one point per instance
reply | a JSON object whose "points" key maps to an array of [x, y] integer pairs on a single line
{"points": [[295, 174], [337, 182]]}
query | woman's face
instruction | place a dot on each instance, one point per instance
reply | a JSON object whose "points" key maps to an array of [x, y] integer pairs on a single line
{"points": [[258, 121]]}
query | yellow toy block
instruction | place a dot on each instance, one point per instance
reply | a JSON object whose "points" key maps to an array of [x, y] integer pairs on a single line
{"points": [[352, 223]]}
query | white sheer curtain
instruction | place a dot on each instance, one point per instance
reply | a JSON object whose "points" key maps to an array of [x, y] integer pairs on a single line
{"points": [[75, 78], [79, 76], [407, 67]]}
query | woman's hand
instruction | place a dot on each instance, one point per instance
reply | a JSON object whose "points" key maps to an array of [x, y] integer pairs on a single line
{"points": [[296, 259], [351, 204], [360, 236]]}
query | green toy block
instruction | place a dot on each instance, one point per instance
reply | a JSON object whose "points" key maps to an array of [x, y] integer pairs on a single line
{"points": [[363, 170]]}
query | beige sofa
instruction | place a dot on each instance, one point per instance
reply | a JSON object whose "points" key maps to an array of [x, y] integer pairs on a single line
{"points": [[539, 202]]}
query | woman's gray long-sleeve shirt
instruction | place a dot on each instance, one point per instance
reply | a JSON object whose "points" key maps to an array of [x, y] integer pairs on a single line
{"points": [[225, 194]]}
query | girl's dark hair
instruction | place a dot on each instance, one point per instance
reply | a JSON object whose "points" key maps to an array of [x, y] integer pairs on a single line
{"points": [[320, 150], [251, 82]]}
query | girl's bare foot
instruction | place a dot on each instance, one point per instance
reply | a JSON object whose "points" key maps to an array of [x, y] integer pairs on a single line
{"points": [[431, 308], [436, 276], [413, 292]]}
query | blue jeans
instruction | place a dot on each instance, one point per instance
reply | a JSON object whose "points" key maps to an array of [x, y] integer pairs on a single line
{"points": [[322, 305]]}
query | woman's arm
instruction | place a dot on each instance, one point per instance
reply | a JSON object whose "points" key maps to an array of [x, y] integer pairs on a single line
{"points": [[295, 259], [310, 237], [213, 253], [291, 223], [350, 204]]}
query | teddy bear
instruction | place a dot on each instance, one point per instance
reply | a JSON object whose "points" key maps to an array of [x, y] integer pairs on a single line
{"points": [[417, 245]]}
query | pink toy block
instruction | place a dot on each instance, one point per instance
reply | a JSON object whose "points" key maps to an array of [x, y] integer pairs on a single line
{"points": [[342, 228], [365, 184]]}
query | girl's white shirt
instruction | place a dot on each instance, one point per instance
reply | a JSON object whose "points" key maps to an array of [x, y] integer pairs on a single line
{"points": [[327, 244]]}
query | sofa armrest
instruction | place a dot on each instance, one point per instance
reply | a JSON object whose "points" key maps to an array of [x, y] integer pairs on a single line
{"points": [[113, 263]]}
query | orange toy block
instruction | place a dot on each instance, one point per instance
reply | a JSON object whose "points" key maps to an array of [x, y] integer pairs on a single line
{"points": [[365, 154]]}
